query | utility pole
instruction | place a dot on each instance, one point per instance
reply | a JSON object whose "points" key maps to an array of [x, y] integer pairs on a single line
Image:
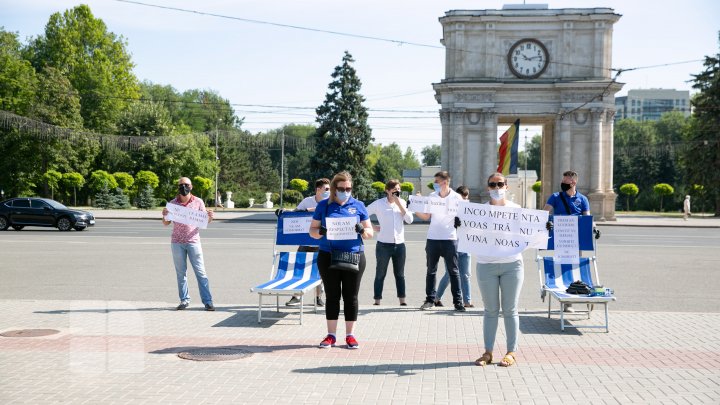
{"points": [[217, 165], [282, 165]]}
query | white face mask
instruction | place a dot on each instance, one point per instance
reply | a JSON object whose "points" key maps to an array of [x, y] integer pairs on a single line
{"points": [[497, 194]]}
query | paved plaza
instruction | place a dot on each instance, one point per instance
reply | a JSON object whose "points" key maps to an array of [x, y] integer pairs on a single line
{"points": [[127, 352]]}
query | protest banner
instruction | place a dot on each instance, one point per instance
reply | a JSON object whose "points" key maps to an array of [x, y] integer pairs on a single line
{"points": [[342, 228], [433, 205], [299, 224], [566, 239], [187, 216], [499, 231]]}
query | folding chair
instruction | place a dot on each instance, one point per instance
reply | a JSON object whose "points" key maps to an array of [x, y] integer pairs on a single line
{"points": [[556, 277], [291, 272]]}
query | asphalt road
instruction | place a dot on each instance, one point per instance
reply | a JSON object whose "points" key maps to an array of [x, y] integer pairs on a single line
{"points": [[651, 269]]}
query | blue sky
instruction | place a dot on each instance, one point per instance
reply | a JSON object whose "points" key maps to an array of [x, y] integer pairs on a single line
{"points": [[255, 65]]}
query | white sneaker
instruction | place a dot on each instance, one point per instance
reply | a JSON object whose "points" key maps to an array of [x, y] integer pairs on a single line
{"points": [[294, 301]]}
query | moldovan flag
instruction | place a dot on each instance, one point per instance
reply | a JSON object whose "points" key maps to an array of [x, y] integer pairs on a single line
{"points": [[508, 152]]}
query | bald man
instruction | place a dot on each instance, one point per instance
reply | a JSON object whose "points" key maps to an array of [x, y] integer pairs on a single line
{"points": [[185, 244]]}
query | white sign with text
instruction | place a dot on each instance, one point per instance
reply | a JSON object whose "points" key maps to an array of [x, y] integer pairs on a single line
{"points": [[342, 228], [187, 216], [499, 231], [433, 205], [566, 239], [296, 224]]}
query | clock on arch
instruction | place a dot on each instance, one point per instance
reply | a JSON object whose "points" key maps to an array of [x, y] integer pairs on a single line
{"points": [[528, 58]]}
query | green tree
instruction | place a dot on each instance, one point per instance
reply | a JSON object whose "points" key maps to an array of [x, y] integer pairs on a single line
{"points": [[630, 190], [409, 160], [146, 198], [145, 119], [533, 154], [74, 180], [407, 187], [378, 186], [95, 61], [103, 198], [343, 136], [431, 155], [299, 185], [663, 190], [18, 81], [124, 181], [52, 179], [145, 178], [100, 179], [702, 155], [201, 186]]}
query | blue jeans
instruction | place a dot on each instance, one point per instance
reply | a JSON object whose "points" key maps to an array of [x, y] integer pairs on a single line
{"points": [[465, 274], [500, 284], [434, 250], [181, 252], [383, 253]]}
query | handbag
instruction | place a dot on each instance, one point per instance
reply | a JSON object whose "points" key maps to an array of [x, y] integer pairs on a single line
{"points": [[345, 261], [578, 288]]}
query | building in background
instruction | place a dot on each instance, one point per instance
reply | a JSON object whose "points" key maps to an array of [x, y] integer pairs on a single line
{"points": [[650, 104]]}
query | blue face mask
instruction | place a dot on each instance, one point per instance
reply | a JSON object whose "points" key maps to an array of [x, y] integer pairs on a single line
{"points": [[436, 187], [342, 195], [326, 194]]}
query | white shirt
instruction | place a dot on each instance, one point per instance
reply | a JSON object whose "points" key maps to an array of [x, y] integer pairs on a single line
{"points": [[506, 259], [442, 226], [392, 221], [307, 203]]}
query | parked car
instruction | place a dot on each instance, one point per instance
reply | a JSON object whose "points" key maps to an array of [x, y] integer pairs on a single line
{"points": [[21, 212]]}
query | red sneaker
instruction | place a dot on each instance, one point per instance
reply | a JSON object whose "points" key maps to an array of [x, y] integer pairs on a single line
{"points": [[352, 343], [328, 342]]}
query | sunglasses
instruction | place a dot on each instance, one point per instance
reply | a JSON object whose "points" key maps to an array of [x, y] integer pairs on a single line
{"points": [[500, 184], [344, 189]]}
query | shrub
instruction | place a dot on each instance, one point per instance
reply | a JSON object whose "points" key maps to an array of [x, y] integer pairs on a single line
{"points": [[407, 187], [630, 190], [299, 185], [378, 186], [537, 186], [663, 190], [146, 198], [292, 197]]}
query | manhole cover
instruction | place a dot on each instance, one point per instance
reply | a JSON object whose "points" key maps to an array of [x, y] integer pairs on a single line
{"points": [[214, 354], [29, 333]]}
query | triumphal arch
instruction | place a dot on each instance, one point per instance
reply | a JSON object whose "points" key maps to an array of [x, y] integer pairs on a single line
{"points": [[547, 67]]}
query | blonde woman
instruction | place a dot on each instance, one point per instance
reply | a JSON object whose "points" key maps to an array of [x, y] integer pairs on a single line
{"points": [[500, 280]]}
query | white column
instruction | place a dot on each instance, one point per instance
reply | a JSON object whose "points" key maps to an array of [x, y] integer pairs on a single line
{"points": [[596, 151]]}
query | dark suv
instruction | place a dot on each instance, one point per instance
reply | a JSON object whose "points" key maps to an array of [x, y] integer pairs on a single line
{"points": [[21, 212]]}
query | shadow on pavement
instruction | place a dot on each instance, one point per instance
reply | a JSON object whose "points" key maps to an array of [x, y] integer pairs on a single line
{"points": [[250, 348], [380, 369], [537, 323]]}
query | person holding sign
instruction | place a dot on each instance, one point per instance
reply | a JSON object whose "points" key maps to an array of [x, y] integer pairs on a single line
{"points": [[463, 268], [568, 201], [185, 244], [322, 192], [392, 216], [442, 240], [341, 223], [500, 280]]}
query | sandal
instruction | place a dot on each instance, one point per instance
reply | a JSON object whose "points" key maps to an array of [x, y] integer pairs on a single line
{"points": [[484, 360], [508, 360]]}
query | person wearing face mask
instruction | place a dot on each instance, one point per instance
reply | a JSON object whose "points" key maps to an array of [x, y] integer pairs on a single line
{"points": [[463, 268], [322, 192], [568, 201], [392, 216], [500, 280], [442, 242], [185, 244], [341, 283]]}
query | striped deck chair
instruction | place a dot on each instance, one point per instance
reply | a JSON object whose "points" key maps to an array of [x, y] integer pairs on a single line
{"points": [[556, 277], [291, 272]]}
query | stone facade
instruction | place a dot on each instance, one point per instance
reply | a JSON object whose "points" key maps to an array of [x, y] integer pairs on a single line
{"points": [[572, 99]]}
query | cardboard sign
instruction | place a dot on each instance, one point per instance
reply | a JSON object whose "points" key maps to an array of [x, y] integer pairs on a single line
{"points": [[342, 228], [296, 225], [433, 205], [187, 216], [566, 235], [498, 231]]}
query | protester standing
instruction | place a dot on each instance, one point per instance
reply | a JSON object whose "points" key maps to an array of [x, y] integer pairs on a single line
{"points": [[341, 283], [392, 216], [463, 268], [185, 245]]}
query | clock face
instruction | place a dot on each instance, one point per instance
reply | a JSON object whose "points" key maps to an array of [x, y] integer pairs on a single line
{"points": [[528, 58]]}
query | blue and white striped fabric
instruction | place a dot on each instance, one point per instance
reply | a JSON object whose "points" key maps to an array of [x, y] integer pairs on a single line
{"points": [[558, 277], [297, 271]]}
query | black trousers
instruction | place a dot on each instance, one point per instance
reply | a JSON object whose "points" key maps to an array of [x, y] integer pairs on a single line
{"points": [[339, 283]]}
